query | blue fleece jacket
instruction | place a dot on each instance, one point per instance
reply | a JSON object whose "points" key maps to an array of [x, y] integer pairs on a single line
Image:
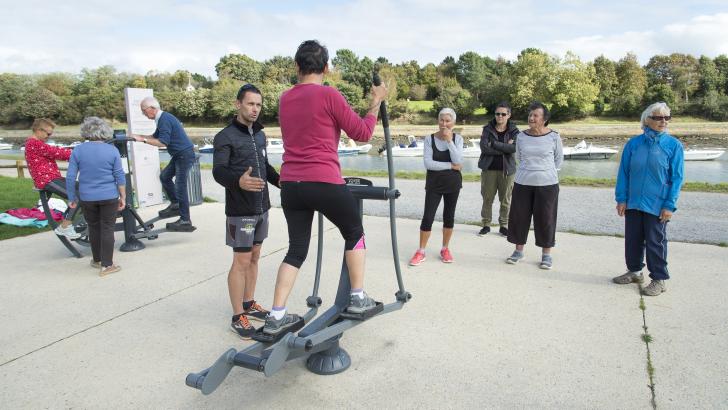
{"points": [[99, 171], [650, 173]]}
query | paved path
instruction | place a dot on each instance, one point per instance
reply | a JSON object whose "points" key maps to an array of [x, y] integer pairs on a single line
{"points": [[477, 334]]}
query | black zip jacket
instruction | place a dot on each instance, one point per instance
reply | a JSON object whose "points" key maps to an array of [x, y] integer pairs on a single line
{"points": [[235, 151], [491, 145]]}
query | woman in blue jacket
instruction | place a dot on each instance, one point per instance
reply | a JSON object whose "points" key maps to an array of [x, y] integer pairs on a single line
{"points": [[648, 184]]}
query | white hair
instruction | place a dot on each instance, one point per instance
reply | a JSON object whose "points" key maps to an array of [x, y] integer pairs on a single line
{"points": [[658, 107], [95, 129], [447, 111], [150, 102]]}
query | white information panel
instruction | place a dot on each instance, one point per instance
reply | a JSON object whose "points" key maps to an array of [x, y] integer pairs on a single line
{"points": [[145, 173], [136, 122]]}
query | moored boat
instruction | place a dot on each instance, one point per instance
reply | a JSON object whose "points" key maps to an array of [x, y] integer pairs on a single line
{"points": [[584, 150], [703, 154]]}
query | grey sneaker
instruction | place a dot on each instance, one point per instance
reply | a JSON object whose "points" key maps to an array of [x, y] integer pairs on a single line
{"points": [[655, 288], [515, 257], [274, 327], [360, 305], [629, 277], [69, 232], [546, 261]]}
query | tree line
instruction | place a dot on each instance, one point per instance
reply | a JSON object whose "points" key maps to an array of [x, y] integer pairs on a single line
{"points": [[570, 87]]}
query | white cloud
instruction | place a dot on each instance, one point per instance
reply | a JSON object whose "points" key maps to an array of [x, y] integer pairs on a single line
{"points": [[164, 35]]}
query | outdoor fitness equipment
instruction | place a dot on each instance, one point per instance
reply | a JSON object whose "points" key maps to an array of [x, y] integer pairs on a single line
{"points": [[319, 339]]}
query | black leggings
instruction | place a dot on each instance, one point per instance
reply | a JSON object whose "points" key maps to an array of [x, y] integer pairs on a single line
{"points": [[101, 218], [299, 201], [432, 201]]}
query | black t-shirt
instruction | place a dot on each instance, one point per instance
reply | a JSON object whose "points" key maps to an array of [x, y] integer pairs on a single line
{"points": [[497, 164]]}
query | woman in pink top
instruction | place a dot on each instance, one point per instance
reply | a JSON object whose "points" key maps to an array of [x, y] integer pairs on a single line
{"points": [[312, 117]]}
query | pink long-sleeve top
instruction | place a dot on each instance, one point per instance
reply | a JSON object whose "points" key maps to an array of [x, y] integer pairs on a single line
{"points": [[312, 117]]}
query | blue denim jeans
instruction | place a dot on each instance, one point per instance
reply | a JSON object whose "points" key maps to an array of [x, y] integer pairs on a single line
{"points": [[178, 168], [645, 234]]}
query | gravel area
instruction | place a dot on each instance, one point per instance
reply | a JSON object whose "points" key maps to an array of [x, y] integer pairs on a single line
{"points": [[701, 217]]}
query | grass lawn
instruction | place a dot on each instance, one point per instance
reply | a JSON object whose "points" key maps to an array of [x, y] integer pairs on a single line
{"points": [[420, 106], [17, 193]]}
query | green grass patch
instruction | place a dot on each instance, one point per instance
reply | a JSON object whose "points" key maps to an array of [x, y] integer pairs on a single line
{"points": [[207, 199], [17, 193], [420, 106]]}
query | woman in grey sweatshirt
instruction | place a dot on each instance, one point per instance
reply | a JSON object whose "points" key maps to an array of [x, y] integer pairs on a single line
{"points": [[536, 188]]}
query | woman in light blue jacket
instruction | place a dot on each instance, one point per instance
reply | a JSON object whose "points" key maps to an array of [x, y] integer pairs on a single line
{"points": [[648, 184]]}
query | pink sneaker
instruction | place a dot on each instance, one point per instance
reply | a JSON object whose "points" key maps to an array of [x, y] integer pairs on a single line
{"points": [[418, 258], [446, 256]]}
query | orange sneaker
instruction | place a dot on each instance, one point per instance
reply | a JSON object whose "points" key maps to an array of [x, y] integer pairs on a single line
{"points": [[417, 259], [446, 256]]}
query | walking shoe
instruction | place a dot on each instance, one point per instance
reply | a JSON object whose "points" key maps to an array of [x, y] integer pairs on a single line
{"points": [[655, 288], [170, 211], [256, 312], [359, 305], [107, 270], [417, 259], [180, 226], [274, 327], [95, 264], [546, 261], [484, 231], [446, 256], [515, 257], [629, 277], [503, 231], [242, 327], [69, 232]]}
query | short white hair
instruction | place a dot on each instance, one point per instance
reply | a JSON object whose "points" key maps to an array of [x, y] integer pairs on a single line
{"points": [[447, 111], [150, 102], [658, 107], [95, 129]]}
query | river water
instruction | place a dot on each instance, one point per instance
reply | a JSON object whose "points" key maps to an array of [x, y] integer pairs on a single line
{"points": [[695, 171]]}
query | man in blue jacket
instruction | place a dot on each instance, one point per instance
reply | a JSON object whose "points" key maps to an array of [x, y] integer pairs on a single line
{"points": [[648, 184], [171, 134]]}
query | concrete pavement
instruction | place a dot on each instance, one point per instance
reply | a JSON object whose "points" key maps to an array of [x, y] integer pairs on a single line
{"points": [[477, 334]]}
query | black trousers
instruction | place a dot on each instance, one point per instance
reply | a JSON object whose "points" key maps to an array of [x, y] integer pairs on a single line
{"points": [[101, 218], [645, 232], [299, 200], [539, 202], [58, 187], [432, 201]]}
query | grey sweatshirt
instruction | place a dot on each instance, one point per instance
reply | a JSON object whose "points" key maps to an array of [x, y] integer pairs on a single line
{"points": [[539, 157], [456, 152]]}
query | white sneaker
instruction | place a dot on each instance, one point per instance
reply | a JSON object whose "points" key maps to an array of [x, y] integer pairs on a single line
{"points": [[69, 232]]}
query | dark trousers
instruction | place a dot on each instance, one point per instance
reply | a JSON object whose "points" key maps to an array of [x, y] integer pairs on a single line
{"points": [[539, 202], [178, 167], [432, 201], [299, 200], [101, 218], [643, 231], [58, 187]]}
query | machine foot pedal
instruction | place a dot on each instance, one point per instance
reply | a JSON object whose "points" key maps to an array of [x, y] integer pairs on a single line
{"points": [[364, 315], [267, 338]]}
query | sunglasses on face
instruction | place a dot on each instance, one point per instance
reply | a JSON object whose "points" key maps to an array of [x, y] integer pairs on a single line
{"points": [[660, 117], [501, 114]]}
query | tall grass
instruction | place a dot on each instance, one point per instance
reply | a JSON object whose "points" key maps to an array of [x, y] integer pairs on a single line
{"points": [[17, 193]]}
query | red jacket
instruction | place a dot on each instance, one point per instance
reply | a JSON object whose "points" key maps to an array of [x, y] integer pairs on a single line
{"points": [[41, 159]]}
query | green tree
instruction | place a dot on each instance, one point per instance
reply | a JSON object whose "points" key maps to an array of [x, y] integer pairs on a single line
{"points": [[457, 98], [280, 69], [605, 71], [271, 92], [721, 63], [239, 67], [193, 104], [709, 76], [532, 78], [222, 98], [60, 84], [575, 88], [631, 85], [473, 71], [39, 102], [659, 92]]}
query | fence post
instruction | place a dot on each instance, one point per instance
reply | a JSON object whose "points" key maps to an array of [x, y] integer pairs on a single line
{"points": [[19, 164]]}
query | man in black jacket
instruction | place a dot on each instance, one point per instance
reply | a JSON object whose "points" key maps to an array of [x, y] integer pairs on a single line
{"points": [[240, 164], [498, 166]]}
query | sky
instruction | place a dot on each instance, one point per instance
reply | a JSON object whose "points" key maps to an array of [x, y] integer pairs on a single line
{"points": [[166, 35]]}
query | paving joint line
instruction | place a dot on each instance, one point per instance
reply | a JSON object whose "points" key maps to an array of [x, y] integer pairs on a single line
{"points": [[647, 339]]}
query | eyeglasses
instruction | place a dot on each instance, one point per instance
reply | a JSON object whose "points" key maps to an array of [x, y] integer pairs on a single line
{"points": [[660, 117], [49, 133], [501, 114]]}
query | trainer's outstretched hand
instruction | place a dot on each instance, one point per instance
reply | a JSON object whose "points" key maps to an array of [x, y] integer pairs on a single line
{"points": [[250, 183]]}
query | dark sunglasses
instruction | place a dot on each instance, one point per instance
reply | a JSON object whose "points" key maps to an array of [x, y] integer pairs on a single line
{"points": [[501, 114], [660, 117]]}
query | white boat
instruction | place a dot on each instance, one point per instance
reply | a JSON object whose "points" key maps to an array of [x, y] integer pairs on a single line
{"points": [[471, 149], [274, 146], [207, 147], [5, 145], [415, 148], [584, 150], [350, 147], [703, 154]]}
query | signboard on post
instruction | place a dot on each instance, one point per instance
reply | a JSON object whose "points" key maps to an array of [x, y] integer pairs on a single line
{"points": [[144, 158]]}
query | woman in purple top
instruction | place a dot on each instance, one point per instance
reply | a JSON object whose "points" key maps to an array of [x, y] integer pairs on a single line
{"points": [[101, 187]]}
